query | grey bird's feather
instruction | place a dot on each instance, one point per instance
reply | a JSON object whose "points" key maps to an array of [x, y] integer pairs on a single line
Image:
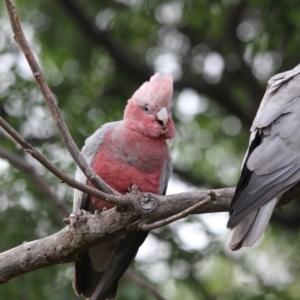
{"points": [[97, 273], [272, 162]]}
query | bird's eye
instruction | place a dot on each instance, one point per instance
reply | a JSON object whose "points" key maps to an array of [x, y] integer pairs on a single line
{"points": [[148, 109]]}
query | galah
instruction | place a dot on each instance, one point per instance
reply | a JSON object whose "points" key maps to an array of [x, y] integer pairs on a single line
{"points": [[272, 163], [125, 153]]}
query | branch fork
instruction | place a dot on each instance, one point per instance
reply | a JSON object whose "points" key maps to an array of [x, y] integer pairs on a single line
{"points": [[210, 196]]}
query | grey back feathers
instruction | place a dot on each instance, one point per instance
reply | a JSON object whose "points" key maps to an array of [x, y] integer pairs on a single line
{"points": [[272, 163]]}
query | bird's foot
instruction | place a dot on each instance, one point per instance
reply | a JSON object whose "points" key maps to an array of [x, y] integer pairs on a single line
{"points": [[134, 189]]}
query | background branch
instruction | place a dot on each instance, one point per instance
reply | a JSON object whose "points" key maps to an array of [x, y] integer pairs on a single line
{"points": [[135, 278], [22, 165], [138, 71]]}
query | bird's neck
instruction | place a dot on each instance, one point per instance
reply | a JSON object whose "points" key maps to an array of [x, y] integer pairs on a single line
{"points": [[128, 130], [126, 139]]}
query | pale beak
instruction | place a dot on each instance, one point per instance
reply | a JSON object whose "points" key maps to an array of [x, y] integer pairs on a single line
{"points": [[162, 116]]}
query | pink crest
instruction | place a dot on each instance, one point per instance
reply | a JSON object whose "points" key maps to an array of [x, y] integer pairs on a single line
{"points": [[158, 90]]}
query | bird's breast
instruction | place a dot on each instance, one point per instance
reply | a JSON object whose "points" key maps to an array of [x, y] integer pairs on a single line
{"points": [[121, 163]]}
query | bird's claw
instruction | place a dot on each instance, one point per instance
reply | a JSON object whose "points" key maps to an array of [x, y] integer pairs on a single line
{"points": [[134, 189]]}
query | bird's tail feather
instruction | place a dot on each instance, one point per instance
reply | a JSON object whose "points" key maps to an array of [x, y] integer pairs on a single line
{"points": [[123, 257], [248, 231], [85, 277]]}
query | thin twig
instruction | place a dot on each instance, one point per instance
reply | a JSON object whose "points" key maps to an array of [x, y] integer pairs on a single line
{"points": [[6, 135], [51, 103], [22, 165], [132, 276], [178, 216], [117, 200]]}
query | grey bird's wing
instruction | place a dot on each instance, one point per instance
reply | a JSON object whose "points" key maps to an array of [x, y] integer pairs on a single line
{"points": [[127, 250], [272, 163]]}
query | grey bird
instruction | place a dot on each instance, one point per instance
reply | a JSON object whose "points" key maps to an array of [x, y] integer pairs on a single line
{"points": [[271, 165]]}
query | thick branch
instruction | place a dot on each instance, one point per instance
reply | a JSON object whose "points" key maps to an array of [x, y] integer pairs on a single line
{"points": [[51, 103], [86, 229]]}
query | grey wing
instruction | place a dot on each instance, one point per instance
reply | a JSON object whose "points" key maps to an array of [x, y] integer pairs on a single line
{"points": [[272, 163], [281, 92], [89, 150], [278, 152], [281, 97], [165, 176]]}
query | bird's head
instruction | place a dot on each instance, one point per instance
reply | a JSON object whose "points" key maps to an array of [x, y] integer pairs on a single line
{"points": [[149, 109]]}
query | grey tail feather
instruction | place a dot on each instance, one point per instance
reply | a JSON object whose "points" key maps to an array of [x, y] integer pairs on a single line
{"points": [[123, 257], [248, 231], [85, 277]]}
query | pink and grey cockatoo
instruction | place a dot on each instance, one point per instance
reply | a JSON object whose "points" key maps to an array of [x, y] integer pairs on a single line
{"points": [[125, 153], [272, 163]]}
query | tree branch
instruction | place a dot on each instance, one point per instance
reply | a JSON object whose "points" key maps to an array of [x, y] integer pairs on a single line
{"points": [[51, 103], [178, 216], [86, 229]]}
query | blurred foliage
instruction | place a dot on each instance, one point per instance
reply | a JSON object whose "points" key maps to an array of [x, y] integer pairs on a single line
{"points": [[94, 55]]}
